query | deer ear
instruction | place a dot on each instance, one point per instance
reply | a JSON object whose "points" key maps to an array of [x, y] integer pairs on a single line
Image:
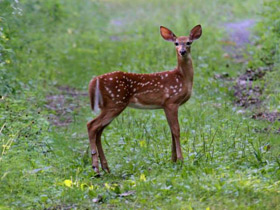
{"points": [[167, 34], [195, 33]]}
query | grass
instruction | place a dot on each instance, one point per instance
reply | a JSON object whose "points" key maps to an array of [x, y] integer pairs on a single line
{"points": [[227, 163]]}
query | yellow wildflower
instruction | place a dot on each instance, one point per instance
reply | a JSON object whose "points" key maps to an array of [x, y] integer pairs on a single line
{"points": [[68, 183], [114, 186], [142, 143], [143, 177], [7, 61], [83, 185], [107, 186], [132, 183]]}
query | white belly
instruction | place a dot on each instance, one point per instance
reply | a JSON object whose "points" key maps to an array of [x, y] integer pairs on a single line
{"points": [[143, 106]]}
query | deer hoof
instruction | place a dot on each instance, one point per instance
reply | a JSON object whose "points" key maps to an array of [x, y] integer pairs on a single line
{"points": [[174, 159], [96, 170]]}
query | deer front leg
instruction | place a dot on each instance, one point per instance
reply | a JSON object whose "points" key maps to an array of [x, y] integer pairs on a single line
{"points": [[171, 112], [174, 155]]}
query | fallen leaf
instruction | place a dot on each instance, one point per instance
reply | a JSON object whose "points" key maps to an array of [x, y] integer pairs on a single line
{"points": [[98, 199], [128, 193]]}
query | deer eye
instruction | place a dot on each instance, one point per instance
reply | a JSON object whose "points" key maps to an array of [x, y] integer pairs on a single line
{"points": [[176, 43], [189, 43]]}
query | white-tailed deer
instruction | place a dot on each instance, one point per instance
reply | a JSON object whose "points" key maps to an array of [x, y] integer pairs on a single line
{"points": [[113, 92]]}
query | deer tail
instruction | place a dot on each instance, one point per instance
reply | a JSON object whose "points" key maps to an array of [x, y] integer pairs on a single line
{"points": [[94, 94]]}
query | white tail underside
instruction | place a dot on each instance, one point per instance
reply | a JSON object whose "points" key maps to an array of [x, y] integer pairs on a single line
{"points": [[96, 98]]}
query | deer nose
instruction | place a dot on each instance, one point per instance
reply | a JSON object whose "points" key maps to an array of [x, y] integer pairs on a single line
{"points": [[183, 52]]}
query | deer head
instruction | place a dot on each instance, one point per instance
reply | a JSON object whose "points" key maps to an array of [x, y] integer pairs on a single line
{"points": [[182, 43]]}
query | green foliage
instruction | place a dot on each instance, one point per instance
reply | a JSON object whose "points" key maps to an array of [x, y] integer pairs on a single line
{"points": [[228, 163], [6, 53], [269, 33]]}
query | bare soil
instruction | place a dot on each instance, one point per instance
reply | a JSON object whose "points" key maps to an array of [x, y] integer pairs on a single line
{"points": [[270, 116], [63, 105], [245, 91], [239, 34]]}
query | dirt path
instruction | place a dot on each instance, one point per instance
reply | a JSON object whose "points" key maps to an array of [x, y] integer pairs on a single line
{"points": [[247, 93], [239, 34]]}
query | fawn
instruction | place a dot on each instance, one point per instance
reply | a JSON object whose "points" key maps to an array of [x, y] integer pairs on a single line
{"points": [[113, 92]]}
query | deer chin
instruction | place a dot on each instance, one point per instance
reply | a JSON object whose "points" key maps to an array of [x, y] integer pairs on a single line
{"points": [[183, 56]]}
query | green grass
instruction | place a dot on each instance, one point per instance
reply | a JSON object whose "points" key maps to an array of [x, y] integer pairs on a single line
{"points": [[227, 163]]}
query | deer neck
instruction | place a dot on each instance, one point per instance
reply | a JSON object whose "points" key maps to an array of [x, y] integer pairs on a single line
{"points": [[184, 66]]}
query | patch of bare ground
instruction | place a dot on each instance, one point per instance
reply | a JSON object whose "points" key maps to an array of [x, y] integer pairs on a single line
{"points": [[270, 116], [239, 34], [63, 104], [246, 93], [62, 207]]}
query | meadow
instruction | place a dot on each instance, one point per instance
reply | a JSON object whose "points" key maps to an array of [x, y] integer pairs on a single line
{"points": [[50, 50]]}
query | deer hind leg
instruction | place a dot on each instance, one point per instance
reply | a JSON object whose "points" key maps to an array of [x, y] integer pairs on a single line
{"points": [[95, 128], [171, 112], [92, 133], [102, 157]]}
